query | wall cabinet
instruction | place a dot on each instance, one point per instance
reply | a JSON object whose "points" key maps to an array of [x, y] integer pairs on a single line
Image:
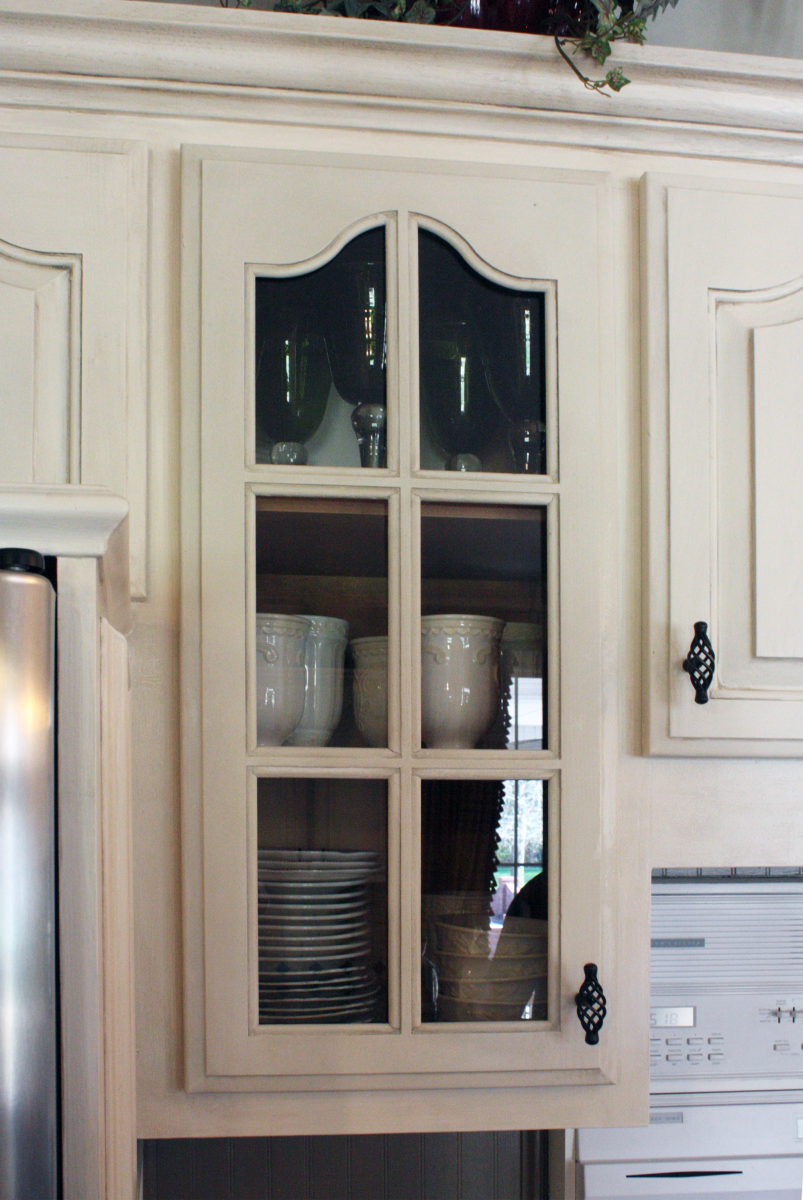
{"points": [[184, 177], [723, 272], [397, 549]]}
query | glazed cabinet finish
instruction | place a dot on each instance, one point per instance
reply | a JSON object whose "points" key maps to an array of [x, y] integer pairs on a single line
{"points": [[723, 295], [124, 285], [513, 225]]}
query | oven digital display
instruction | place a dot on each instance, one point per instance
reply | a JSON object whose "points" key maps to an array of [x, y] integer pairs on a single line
{"points": [[672, 1018]]}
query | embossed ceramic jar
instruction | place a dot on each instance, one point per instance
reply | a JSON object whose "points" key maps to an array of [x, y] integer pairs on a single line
{"points": [[323, 703], [521, 650], [371, 688], [281, 675], [459, 679]]}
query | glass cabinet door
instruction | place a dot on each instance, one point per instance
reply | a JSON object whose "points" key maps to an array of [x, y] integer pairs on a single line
{"points": [[484, 900], [484, 608], [401, 797], [320, 358], [321, 621], [482, 366]]}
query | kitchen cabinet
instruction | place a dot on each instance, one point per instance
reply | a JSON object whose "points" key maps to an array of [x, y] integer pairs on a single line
{"points": [[386, 548], [173, 167], [724, 321]]}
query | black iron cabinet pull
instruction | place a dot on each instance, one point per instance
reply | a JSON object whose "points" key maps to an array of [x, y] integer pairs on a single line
{"points": [[591, 1004], [701, 662]]}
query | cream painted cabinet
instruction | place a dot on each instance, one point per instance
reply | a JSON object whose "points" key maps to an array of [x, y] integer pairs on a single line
{"points": [[350, 919], [723, 294]]}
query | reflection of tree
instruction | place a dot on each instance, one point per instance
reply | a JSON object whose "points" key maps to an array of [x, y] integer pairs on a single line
{"points": [[527, 797]]}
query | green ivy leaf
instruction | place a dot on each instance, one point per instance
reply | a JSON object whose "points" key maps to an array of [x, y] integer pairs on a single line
{"points": [[420, 13], [616, 80]]}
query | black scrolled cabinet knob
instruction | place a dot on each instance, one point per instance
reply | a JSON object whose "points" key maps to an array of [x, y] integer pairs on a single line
{"points": [[701, 662], [591, 1004]]}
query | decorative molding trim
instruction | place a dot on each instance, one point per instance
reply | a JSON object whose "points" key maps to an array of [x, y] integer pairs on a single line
{"points": [[159, 57], [125, 396], [69, 522], [118, 917], [55, 280]]}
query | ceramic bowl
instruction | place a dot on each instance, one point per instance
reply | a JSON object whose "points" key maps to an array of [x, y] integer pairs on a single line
{"points": [[371, 688], [464, 934], [499, 991], [281, 675], [521, 937], [470, 1010], [325, 649], [473, 969], [459, 679]]}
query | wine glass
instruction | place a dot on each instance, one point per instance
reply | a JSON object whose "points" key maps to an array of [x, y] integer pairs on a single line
{"points": [[292, 376], [513, 342], [456, 401], [355, 318]]}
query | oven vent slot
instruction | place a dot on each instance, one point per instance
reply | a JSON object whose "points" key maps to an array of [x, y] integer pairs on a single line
{"points": [[721, 943]]}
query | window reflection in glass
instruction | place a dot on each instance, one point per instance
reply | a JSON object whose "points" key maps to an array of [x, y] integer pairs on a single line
{"points": [[484, 900]]}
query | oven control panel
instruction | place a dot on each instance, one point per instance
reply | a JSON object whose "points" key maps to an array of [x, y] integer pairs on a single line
{"points": [[739, 1034], [726, 983]]}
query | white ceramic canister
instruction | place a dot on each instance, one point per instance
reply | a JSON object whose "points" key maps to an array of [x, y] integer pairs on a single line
{"points": [[522, 664], [323, 703], [521, 650], [281, 675], [459, 679], [371, 688]]}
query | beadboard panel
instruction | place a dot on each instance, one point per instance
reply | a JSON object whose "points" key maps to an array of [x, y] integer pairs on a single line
{"points": [[433, 1166]]}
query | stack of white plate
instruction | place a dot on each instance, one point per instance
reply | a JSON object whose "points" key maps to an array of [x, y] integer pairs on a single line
{"points": [[315, 936]]}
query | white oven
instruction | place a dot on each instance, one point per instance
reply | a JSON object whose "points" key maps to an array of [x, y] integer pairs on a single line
{"points": [[726, 1050]]}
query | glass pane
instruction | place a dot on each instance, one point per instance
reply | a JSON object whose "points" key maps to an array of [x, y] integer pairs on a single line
{"points": [[321, 346], [484, 900], [482, 368], [483, 627], [322, 903], [322, 622]]}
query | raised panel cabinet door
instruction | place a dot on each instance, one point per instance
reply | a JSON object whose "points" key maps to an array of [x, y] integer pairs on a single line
{"points": [[723, 306], [73, 327], [486, 505]]}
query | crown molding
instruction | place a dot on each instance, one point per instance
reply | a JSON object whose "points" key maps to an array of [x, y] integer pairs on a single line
{"points": [[184, 52], [66, 521]]}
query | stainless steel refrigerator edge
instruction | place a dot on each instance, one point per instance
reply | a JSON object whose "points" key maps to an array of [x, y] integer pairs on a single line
{"points": [[28, 994]]}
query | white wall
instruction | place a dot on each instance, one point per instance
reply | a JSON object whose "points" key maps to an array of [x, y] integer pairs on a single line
{"points": [[743, 26]]}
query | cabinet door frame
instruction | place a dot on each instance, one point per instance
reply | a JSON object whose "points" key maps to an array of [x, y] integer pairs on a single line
{"points": [[588, 778], [686, 570]]}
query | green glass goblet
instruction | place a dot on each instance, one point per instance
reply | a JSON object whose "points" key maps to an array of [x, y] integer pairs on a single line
{"points": [[456, 401], [292, 376]]}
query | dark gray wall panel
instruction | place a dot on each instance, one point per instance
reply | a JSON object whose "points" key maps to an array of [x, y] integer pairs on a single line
{"points": [[368, 1167], [431, 1166], [212, 1175], [329, 1168], [507, 1155], [477, 1153], [249, 1169], [289, 1168], [441, 1153], [175, 1170], [404, 1166]]}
